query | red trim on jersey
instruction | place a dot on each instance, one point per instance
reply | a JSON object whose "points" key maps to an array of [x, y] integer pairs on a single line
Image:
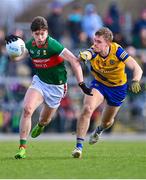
{"points": [[65, 89], [47, 63]]}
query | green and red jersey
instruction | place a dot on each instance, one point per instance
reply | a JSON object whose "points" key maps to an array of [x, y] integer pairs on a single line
{"points": [[49, 66]]}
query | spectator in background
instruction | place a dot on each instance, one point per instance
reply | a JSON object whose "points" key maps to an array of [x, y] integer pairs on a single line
{"points": [[139, 41], [91, 22], [143, 61], [131, 50], [20, 33], [74, 26], [112, 19], [140, 23], [3, 55], [2, 35], [120, 39], [4, 61], [55, 21]]}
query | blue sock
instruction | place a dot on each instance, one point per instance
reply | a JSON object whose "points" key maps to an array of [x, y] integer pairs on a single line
{"points": [[79, 144], [99, 129]]}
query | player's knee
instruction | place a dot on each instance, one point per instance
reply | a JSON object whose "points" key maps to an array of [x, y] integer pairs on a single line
{"points": [[27, 111], [87, 111]]}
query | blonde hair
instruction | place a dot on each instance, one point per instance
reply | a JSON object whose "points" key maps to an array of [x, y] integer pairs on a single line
{"points": [[106, 33]]}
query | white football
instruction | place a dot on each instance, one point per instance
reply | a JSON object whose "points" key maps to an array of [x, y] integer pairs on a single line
{"points": [[16, 48]]}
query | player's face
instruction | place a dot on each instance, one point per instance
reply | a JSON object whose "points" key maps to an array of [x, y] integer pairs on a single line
{"points": [[40, 36], [100, 44]]}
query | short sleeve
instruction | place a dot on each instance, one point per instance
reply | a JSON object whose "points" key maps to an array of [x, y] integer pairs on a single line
{"points": [[121, 54], [94, 54]]}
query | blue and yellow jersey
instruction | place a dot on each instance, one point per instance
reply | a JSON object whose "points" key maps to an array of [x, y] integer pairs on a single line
{"points": [[109, 70]]}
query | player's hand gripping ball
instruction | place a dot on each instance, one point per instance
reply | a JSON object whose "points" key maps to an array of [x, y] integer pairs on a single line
{"points": [[15, 46]]}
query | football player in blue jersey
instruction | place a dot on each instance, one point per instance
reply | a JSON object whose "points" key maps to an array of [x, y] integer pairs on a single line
{"points": [[108, 61]]}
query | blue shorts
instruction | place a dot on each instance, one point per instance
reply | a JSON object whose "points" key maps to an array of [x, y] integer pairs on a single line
{"points": [[113, 95]]}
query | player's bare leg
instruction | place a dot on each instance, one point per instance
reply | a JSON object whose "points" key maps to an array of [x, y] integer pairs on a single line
{"points": [[32, 100], [45, 117], [107, 121], [90, 104]]}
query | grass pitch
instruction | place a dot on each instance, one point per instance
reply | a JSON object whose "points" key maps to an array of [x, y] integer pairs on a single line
{"points": [[52, 160]]}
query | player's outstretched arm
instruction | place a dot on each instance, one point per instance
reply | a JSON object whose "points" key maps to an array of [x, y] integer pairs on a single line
{"points": [[75, 63]]}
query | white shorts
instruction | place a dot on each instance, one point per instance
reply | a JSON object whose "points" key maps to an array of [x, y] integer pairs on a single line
{"points": [[52, 94]]}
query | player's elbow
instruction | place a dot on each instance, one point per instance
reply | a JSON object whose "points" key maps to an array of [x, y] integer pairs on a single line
{"points": [[75, 63], [140, 70]]}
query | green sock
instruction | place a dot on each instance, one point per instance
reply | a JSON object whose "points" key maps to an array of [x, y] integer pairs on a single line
{"points": [[40, 125], [23, 143]]}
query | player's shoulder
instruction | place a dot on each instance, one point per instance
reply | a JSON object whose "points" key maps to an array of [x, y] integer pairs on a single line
{"points": [[51, 40], [120, 51], [115, 46]]}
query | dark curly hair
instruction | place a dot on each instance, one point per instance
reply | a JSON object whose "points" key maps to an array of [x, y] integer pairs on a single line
{"points": [[39, 23]]}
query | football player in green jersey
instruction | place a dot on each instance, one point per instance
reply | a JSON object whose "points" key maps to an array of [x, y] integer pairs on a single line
{"points": [[49, 83]]}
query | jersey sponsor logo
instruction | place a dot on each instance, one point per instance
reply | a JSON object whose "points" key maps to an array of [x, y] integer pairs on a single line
{"points": [[107, 71], [48, 62], [102, 77]]}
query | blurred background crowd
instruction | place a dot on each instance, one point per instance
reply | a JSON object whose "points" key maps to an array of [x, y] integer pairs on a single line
{"points": [[73, 23]]}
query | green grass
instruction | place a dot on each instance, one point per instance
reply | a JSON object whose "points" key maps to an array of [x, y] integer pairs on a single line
{"points": [[53, 160]]}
